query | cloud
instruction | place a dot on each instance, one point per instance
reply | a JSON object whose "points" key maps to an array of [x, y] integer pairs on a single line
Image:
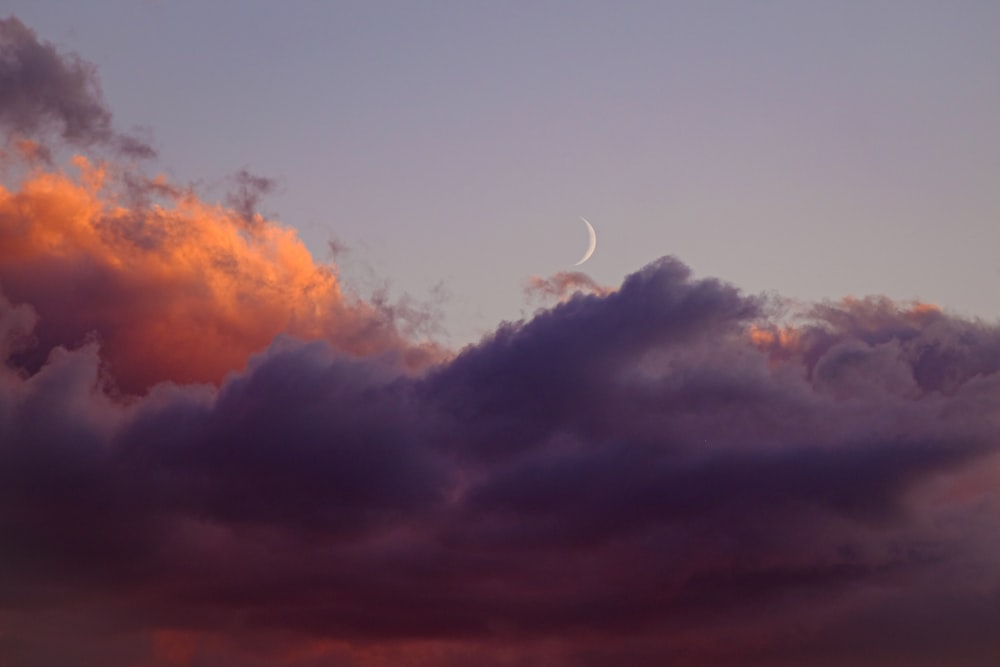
{"points": [[41, 88], [634, 474], [174, 288], [562, 284], [249, 189], [213, 454]]}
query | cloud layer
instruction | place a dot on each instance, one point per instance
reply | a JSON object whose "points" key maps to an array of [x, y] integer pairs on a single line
{"points": [[655, 474], [211, 455]]}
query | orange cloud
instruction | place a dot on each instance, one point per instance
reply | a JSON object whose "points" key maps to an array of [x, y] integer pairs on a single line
{"points": [[176, 290], [765, 337], [563, 284], [779, 343], [32, 152]]}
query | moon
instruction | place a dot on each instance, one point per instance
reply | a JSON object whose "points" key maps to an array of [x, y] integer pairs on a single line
{"points": [[593, 243]]}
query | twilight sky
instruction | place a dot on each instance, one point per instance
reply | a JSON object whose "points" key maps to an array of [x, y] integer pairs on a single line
{"points": [[815, 149], [297, 371]]}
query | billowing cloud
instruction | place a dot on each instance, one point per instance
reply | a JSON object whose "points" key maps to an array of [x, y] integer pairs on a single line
{"points": [[639, 476], [211, 454], [172, 287]]}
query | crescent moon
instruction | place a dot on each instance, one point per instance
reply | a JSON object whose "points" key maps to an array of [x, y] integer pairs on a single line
{"points": [[593, 243]]}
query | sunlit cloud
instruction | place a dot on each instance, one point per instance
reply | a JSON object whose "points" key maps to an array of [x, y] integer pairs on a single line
{"points": [[561, 285], [177, 290]]}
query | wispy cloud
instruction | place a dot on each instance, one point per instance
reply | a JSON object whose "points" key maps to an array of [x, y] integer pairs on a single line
{"points": [[561, 285], [44, 91]]}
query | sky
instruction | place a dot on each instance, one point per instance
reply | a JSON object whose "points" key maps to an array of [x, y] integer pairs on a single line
{"points": [[298, 370], [816, 150]]}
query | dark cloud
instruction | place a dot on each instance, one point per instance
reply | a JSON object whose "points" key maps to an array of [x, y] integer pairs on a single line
{"points": [[249, 190], [211, 455], [133, 146], [41, 88], [640, 476], [531, 379], [226, 465]]}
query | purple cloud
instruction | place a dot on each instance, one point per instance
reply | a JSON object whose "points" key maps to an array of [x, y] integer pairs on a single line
{"points": [[41, 88], [636, 476]]}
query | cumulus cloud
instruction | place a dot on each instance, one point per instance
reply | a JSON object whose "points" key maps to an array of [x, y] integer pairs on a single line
{"points": [[637, 476], [173, 287], [212, 454]]}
